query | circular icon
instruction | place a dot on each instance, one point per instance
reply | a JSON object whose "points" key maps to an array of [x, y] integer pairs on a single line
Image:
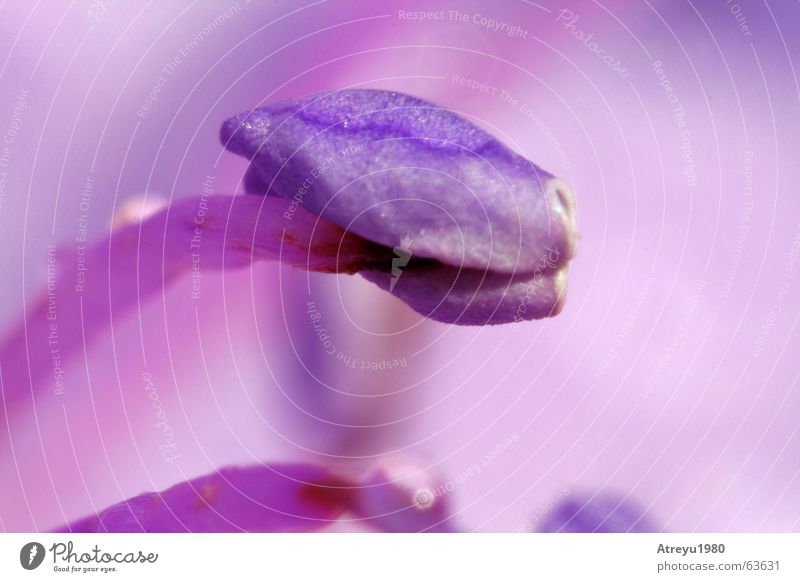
{"points": [[31, 555]]}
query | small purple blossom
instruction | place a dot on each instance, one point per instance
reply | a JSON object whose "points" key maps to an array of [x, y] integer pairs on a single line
{"points": [[601, 513]]}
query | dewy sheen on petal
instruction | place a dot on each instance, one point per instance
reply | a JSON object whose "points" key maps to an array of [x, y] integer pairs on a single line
{"points": [[429, 186]]}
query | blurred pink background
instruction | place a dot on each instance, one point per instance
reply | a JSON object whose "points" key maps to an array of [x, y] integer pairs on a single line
{"points": [[670, 378]]}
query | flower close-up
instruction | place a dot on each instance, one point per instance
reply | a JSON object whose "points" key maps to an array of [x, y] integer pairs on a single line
{"points": [[405, 267]]}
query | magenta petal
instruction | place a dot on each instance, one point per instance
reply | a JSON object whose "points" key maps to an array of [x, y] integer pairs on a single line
{"points": [[277, 498]]}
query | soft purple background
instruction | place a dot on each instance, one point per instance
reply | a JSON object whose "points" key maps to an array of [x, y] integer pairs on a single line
{"points": [[670, 378]]}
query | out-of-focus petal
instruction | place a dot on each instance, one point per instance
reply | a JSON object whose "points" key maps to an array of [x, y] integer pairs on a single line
{"points": [[277, 498], [402, 496], [139, 260], [600, 513]]}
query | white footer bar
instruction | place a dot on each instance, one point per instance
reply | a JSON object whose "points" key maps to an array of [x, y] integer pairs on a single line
{"points": [[389, 557]]}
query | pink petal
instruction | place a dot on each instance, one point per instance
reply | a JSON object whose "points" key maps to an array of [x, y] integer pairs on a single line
{"points": [[139, 260]]}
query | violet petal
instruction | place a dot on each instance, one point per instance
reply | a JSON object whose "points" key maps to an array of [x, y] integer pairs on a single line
{"points": [[473, 297]]}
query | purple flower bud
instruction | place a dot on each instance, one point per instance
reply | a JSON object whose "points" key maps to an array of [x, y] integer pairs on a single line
{"points": [[477, 233]]}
